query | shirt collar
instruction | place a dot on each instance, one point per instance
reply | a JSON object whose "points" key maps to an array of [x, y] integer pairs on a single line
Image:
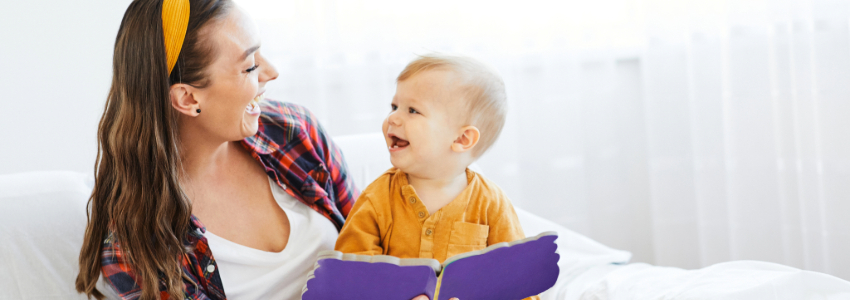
{"points": [[196, 223], [407, 189], [260, 142]]}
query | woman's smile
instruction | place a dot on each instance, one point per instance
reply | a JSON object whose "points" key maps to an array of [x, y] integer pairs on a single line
{"points": [[253, 107]]}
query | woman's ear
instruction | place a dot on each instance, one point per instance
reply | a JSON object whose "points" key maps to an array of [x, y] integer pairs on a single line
{"points": [[468, 138], [183, 99]]}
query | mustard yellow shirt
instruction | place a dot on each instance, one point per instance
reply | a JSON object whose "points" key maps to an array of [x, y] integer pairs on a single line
{"points": [[390, 219]]}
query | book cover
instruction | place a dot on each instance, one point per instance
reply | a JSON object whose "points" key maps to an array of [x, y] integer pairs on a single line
{"points": [[508, 271]]}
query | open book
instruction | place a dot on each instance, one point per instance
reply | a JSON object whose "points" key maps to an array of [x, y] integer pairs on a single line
{"points": [[509, 271]]}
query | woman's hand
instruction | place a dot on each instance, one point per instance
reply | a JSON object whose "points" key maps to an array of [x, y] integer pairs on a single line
{"points": [[423, 297]]}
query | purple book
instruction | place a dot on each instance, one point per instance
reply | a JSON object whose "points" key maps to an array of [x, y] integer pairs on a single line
{"points": [[508, 271]]}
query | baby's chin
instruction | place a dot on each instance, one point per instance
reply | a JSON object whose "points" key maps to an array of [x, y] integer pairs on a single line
{"points": [[403, 166], [419, 169]]}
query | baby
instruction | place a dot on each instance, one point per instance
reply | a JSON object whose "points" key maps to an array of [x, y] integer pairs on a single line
{"points": [[445, 114]]}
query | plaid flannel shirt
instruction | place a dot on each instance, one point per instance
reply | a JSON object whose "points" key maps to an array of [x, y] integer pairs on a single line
{"points": [[297, 154]]}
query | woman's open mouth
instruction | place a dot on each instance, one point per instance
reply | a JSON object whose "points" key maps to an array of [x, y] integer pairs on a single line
{"points": [[397, 143], [253, 108]]}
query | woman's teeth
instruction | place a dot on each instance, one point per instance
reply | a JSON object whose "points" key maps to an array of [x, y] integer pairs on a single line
{"points": [[255, 103]]}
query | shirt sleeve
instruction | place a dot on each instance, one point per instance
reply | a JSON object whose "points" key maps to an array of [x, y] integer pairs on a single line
{"points": [[343, 185], [117, 271], [503, 222], [361, 232], [121, 277]]}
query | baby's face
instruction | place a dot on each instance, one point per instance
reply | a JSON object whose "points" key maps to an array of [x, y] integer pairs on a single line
{"points": [[424, 122]]}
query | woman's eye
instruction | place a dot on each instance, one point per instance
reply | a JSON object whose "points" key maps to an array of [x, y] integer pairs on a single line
{"points": [[413, 111], [394, 106], [252, 69]]}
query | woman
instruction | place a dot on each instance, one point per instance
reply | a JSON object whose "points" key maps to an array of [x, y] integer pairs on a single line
{"points": [[183, 139]]}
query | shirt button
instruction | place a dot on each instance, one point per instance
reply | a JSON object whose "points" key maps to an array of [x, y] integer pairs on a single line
{"points": [[412, 200], [428, 232], [421, 214], [211, 268]]}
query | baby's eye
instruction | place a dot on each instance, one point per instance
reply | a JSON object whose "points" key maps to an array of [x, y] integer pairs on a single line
{"points": [[413, 110], [394, 106], [252, 69]]}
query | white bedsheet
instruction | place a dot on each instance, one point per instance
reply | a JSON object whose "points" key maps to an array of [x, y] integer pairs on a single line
{"points": [[737, 280]]}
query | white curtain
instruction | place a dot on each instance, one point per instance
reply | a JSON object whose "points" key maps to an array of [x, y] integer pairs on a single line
{"points": [[689, 132]]}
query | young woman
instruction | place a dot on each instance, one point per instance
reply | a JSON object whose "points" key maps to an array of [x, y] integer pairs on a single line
{"points": [[192, 161]]}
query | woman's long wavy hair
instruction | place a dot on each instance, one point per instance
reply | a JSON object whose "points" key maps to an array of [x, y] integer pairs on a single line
{"points": [[137, 197]]}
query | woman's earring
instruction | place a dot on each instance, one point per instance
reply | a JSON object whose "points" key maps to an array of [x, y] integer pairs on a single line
{"points": [[198, 110]]}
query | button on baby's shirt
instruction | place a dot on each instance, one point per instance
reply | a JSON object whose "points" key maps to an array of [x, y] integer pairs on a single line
{"points": [[412, 200], [428, 232], [421, 214], [211, 268]]}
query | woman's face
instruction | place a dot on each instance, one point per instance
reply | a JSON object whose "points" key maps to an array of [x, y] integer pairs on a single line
{"points": [[237, 79]]}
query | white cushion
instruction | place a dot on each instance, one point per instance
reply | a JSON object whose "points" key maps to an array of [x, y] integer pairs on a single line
{"points": [[41, 227]]}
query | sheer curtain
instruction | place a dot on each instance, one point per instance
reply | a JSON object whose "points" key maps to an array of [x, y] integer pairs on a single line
{"points": [[689, 132]]}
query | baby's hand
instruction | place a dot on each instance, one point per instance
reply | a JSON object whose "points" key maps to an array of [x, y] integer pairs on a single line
{"points": [[423, 297]]}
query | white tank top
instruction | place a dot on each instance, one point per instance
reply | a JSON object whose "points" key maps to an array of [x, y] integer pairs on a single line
{"points": [[248, 273]]}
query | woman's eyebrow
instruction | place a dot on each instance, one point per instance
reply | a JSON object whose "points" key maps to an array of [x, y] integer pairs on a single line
{"points": [[249, 51]]}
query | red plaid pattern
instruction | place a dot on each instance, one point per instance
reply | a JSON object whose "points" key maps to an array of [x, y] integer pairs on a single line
{"points": [[297, 154]]}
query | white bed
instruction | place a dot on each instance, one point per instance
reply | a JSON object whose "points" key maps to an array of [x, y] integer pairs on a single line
{"points": [[43, 219]]}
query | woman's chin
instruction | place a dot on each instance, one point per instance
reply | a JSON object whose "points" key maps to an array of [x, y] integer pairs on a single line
{"points": [[250, 127]]}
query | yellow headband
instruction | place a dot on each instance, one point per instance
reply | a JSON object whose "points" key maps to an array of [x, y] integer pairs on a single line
{"points": [[175, 20]]}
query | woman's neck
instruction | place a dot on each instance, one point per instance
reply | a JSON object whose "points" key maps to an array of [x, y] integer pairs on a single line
{"points": [[204, 156]]}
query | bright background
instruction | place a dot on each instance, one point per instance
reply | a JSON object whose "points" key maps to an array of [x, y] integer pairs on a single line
{"points": [[689, 132]]}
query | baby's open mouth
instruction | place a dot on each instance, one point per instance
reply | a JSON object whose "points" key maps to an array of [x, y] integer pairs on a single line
{"points": [[398, 143]]}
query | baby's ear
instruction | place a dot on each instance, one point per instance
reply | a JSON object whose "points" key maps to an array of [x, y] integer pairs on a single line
{"points": [[468, 138]]}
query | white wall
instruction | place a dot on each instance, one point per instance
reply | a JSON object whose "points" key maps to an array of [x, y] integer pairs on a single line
{"points": [[56, 59]]}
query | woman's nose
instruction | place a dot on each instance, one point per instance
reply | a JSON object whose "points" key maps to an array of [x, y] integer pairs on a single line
{"points": [[268, 72]]}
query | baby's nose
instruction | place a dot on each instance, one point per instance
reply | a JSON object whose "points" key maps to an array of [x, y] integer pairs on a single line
{"points": [[394, 119]]}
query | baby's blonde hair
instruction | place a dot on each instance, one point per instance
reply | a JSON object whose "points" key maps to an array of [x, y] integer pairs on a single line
{"points": [[484, 91]]}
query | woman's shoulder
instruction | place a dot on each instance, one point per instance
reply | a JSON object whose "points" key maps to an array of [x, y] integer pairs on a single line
{"points": [[284, 122], [287, 114]]}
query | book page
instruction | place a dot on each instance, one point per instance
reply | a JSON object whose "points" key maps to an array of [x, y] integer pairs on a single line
{"points": [[508, 271], [367, 277]]}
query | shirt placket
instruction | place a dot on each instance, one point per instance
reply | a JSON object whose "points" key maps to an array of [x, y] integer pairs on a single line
{"points": [[427, 222]]}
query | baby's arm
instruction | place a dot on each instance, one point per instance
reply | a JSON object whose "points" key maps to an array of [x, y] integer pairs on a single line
{"points": [[361, 233], [503, 222]]}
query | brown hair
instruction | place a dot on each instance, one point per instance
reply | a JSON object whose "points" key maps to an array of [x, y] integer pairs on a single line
{"points": [[483, 90], [137, 198]]}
